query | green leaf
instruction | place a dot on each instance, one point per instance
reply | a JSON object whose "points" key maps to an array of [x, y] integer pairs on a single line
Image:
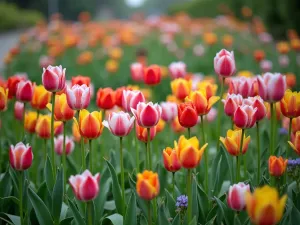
{"points": [[176, 220], [194, 221], [14, 178], [116, 190], [131, 216], [5, 185], [48, 174], [41, 210], [71, 166], [77, 216], [295, 216], [195, 211], [57, 195], [202, 203], [66, 221], [162, 217], [223, 210], [116, 219], [171, 204], [14, 219], [9, 200], [162, 175], [237, 220]]}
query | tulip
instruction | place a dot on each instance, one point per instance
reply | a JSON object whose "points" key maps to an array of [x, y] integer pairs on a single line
{"points": [[176, 127], [170, 159], [130, 99], [277, 166], [62, 111], [147, 114], [30, 121], [137, 71], [12, 83], [147, 185], [90, 124], [277, 109], [257, 102], [245, 116], [24, 91], [232, 142], [283, 47], [259, 55], [53, 78], [187, 114], [169, 111], [106, 98], [177, 70], [76, 133], [152, 75], [181, 88], [78, 97], [264, 206], [207, 87], [80, 80], [85, 186], [160, 126], [20, 156], [41, 97], [58, 142], [243, 86], [120, 123], [271, 87], [119, 96], [283, 61], [290, 104], [224, 63], [266, 65], [231, 103], [142, 133], [43, 127], [295, 144], [236, 196], [3, 98], [19, 110]]}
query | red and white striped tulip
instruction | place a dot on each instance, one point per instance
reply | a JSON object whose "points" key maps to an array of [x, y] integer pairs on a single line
{"points": [[169, 111], [130, 99], [177, 70], [244, 86], [147, 114], [54, 78], [236, 196], [224, 63], [257, 102], [231, 103], [78, 97], [59, 143], [245, 116], [20, 156]]}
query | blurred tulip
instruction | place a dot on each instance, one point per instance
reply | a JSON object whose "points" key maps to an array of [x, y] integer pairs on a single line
{"points": [[290, 104], [187, 114], [58, 145], [41, 97], [80, 80], [46, 61], [211, 116], [257, 102], [54, 78], [259, 55], [62, 111], [177, 70], [207, 87], [176, 127], [232, 142], [106, 98], [43, 127], [78, 97], [283, 61], [227, 41], [266, 65], [295, 144], [85, 58], [277, 110], [147, 114], [277, 166], [271, 87], [119, 96], [24, 91], [264, 206], [231, 103], [152, 75], [245, 116], [160, 126], [169, 111], [12, 83], [181, 88], [147, 185], [236, 196], [112, 66], [142, 133], [291, 80], [137, 71], [170, 160], [20, 156], [85, 186], [202, 101], [30, 121], [3, 98], [19, 110], [243, 86], [283, 47], [130, 99], [90, 124], [188, 152], [224, 63]]}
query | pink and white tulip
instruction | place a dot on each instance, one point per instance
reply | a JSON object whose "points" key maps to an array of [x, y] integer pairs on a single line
{"points": [[231, 103], [147, 114], [284, 61], [177, 70], [19, 110], [243, 86], [85, 186], [59, 143], [169, 111], [24, 91], [224, 63], [130, 99], [236, 196], [119, 123], [271, 87], [137, 71], [266, 65], [257, 102], [20, 156], [245, 116], [78, 97], [54, 78]]}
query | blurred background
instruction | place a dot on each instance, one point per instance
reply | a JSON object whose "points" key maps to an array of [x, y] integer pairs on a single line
{"points": [[278, 15]]}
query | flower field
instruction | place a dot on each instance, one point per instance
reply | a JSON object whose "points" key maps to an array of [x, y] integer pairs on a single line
{"points": [[159, 120]]}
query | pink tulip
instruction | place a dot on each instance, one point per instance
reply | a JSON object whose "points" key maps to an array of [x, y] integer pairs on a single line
{"points": [[231, 103], [236, 196], [169, 111], [271, 87], [119, 123], [54, 78], [24, 91], [245, 116], [20, 156], [85, 186], [18, 110], [177, 70], [211, 116], [130, 99], [147, 114], [58, 143], [137, 71], [224, 63], [283, 61], [257, 102], [243, 86], [78, 97], [266, 65], [45, 61]]}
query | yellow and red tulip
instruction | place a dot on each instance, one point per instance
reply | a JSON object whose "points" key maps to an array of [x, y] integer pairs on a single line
{"points": [[202, 101], [277, 166], [290, 104], [3, 98], [232, 142], [181, 88], [295, 144], [41, 97], [171, 161], [147, 185]]}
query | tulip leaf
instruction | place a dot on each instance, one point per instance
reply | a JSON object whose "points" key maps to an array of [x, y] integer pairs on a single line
{"points": [[202, 203], [130, 217], [71, 166], [77, 216], [48, 174], [5, 185], [8, 200], [15, 180], [176, 220], [295, 216], [116, 219], [217, 177], [162, 217], [194, 221], [57, 195], [171, 204], [66, 221], [116, 190], [15, 220], [195, 211], [41, 210], [223, 210], [162, 175], [237, 220]]}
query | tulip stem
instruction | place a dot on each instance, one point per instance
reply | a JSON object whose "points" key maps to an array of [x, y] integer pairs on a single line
{"points": [[220, 113], [52, 135], [258, 152], [81, 146], [237, 157], [90, 155], [137, 154], [173, 184], [289, 137], [149, 213], [148, 149], [189, 132], [205, 155], [272, 129], [122, 177], [23, 130], [21, 196], [45, 150], [189, 194], [64, 155], [90, 214]]}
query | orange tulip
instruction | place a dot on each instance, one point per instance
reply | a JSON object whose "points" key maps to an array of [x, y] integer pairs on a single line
{"points": [[147, 185], [62, 110], [115, 53], [290, 104], [106, 98], [30, 121], [181, 88], [176, 127], [41, 97], [295, 144], [171, 161], [295, 44], [152, 75], [227, 40], [80, 80], [160, 125], [43, 126], [291, 80], [277, 166], [3, 98], [142, 133], [188, 152], [85, 58], [202, 101], [283, 47], [259, 55]]}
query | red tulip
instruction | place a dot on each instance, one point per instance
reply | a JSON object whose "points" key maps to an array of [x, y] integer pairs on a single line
{"points": [[142, 133], [24, 91], [224, 63], [12, 83], [187, 114], [105, 98], [245, 116], [78, 97], [54, 78], [20, 156], [152, 75], [130, 99]]}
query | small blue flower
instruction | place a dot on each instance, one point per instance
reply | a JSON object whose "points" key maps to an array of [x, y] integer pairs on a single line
{"points": [[182, 201], [294, 162], [283, 131]]}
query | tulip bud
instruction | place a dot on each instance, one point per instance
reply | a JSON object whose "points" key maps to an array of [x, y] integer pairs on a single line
{"points": [[137, 71], [41, 97], [236, 196], [147, 114], [90, 124], [147, 185], [62, 111], [142, 133], [80, 80], [177, 70], [187, 114], [106, 98], [277, 166], [245, 116], [58, 145], [78, 97], [85, 186], [19, 110], [243, 86], [295, 144], [290, 104], [181, 88], [171, 161], [283, 61], [266, 65], [152, 75], [53, 78], [224, 63], [20, 156], [24, 91], [12, 83], [130, 99], [169, 111]]}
